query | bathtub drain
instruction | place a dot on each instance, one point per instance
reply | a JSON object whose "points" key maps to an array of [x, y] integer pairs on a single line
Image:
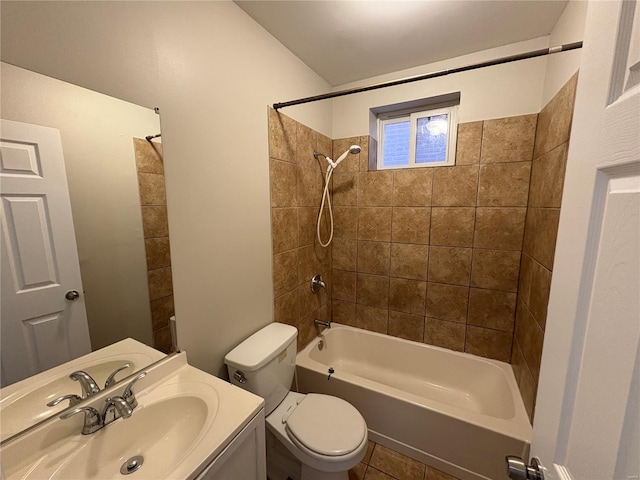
{"points": [[132, 465]]}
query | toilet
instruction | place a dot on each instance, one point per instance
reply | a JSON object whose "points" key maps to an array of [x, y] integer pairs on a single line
{"points": [[309, 437]]}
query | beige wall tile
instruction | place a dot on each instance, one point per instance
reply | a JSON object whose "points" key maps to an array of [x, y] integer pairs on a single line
{"points": [[374, 223], [508, 139], [324, 144], [307, 218], [309, 187], [373, 257], [158, 252], [407, 295], [345, 222], [524, 284], [154, 221], [284, 229], [554, 124], [345, 188], [345, 313], [495, 269], [492, 309], [528, 390], [285, 308], [364, 144], [504, 184], [468, 143], [309, 302], [162, 339], [499, 228], [373, 290], [372, 318], [450, 265], [530, 337], [352, 162], [148, 156], [372, 155], [160, 283], [344, 253], [411, 224], [282, 136], [409, 261], [375, 189], [452, 226], [285, 272], [395, 464], [412, 187], [455, 186], [444, 334], [306, 144], [283, 176], [541, 233], [344, 285], [308, 264], [161, 310], [447, 302], [488, 343], [517, 361], [152, 191], [539, 298], [547, 178]]}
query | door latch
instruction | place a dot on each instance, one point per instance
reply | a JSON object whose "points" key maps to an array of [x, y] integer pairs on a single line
{"points": [[518, 470]]}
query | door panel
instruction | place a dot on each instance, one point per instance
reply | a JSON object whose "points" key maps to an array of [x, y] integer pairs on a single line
{"points": [[40, 327]]}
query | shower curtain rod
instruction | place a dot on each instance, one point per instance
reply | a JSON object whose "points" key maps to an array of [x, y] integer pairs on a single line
{"points": [[498, 61]]}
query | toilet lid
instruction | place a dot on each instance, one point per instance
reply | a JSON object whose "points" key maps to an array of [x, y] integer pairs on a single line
{"points": [[327, 425]]}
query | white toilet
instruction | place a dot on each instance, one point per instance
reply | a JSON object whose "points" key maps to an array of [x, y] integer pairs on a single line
{"points": [[309, 437]]}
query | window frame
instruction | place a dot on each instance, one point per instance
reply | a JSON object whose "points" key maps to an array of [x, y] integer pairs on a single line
{"points": [[412, 116]]}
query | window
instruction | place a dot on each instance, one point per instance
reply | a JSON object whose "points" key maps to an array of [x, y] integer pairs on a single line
{"points": [[424, 138]]}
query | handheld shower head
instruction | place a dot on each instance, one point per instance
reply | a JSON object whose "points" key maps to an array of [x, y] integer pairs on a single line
{"points": [[353, 149]]}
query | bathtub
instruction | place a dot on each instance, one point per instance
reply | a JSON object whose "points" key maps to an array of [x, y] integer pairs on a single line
{"points": [[454, 411]]}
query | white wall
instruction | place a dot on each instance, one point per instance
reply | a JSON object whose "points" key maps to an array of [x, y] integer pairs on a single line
{"points": [[97, 139], [570, 28], [492, 92], [212, 71]]}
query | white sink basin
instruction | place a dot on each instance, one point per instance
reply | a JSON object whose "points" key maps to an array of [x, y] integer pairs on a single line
{"points": [[183, 420], [24, 403]]}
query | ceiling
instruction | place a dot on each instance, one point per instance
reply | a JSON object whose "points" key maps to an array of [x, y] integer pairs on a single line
{"points": [[349, 40]]}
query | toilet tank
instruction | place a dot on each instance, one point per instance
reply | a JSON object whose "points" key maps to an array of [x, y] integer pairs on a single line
{"points": [[265, 363]]}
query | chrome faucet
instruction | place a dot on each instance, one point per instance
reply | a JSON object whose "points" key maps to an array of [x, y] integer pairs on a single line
{"points": [[88, 386], [94, 420], [316, 282], [320, 323], [128, 394]]}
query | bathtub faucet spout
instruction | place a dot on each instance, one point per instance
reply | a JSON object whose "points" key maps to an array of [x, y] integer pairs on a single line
{"points": [[320, 323]]}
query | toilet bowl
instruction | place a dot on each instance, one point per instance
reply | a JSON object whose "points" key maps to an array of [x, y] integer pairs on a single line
{"points": [[312, 436]]}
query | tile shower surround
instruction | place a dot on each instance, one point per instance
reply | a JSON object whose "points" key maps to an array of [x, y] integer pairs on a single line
{"points": [[155, 227], [459, 257]]}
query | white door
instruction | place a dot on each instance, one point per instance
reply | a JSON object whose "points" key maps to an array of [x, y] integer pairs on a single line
{"points": [[40, 327], [587, 421]]}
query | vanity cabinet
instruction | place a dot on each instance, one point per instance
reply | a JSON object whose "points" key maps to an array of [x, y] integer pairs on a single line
{"points": [[243, 458]]}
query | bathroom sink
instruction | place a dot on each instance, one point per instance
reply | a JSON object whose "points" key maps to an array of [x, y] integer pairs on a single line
{"points": [[24, 403], [160, 433], [184, 418]]}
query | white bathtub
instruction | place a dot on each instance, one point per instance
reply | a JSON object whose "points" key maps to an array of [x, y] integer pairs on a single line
{"points": [[454, 411]]}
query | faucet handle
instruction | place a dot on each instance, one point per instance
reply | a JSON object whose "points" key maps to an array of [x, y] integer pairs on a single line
{"points": [[92, 418], [111, 378], [87, 383], [73, 400], [128, 394]]}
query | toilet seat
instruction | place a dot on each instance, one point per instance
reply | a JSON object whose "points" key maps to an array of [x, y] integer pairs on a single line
{"points": [[326, 425]]}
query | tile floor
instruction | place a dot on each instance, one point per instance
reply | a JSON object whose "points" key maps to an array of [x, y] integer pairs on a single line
{"points": [[382, 463]]}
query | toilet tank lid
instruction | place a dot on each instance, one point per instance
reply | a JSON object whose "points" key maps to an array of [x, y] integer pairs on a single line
{"points": [[261, 347]]}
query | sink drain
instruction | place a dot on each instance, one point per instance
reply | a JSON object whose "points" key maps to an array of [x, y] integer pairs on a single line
{"points": [[131, 465]]}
